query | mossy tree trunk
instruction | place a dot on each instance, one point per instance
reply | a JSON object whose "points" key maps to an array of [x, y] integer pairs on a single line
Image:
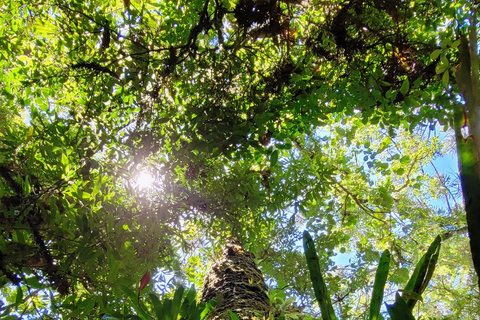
{"points": [[237, 285], [467, 115]]}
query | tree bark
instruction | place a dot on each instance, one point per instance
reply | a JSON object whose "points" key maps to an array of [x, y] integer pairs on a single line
{"points": [[468, 148], [471, 189], [237, 285]]}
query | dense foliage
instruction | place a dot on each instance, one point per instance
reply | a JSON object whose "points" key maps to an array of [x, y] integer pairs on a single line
{"points": [[255, 119]]}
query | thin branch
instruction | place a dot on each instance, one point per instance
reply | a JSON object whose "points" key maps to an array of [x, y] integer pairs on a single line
{"points": [[447, 235], [366, 209], [445, 186]]}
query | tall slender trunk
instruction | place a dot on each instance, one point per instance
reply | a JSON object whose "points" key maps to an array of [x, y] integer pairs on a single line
{"points": [[468, 148], [237, 285]]}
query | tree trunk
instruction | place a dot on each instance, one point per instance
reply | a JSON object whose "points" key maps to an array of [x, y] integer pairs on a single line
{"points": [[468, 148], [237, 285]]}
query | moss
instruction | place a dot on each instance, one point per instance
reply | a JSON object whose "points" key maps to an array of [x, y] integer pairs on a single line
{"points": [[237, 285]]}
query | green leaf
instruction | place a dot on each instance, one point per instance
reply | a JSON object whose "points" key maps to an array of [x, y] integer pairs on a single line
{"points": [[423, 271], [19, 296], [399, 310], [33, 282], [274, 158], [208, 307], [434, 55], [167, 309], [434, 250], [64, 159], [444, 60], [189, 304], [88, 306], [233, 316], [379, 285], [399, 276], [319, 286], [113, 264], [177, 301], [404, 159], [133, 298], [405, 86], [157, 305], [446, 79], [128, 292], [440, 68], [43, 106], [96, 187], [412, 101], [191, 294], [455, 43]]}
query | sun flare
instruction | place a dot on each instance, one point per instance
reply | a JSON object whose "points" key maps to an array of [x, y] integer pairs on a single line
{"points": [[144, 180]]}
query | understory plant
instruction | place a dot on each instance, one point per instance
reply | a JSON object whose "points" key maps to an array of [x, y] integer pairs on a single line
{"points": [[401, 309]]}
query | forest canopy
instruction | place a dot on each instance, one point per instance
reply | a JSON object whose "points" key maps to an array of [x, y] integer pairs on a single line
{"points": [[139, 135]]}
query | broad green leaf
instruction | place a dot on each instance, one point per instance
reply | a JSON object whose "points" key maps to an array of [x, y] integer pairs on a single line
{"points": [[379, 285], [319, 286], [191, 294], [113, 264], [33, 282], [446, 79], [441, 68], [96, 188], [431, 268], [274, 158], [128, 292], [455, 43], [157, 305], [42, 105], [423, 271], [405, 86], [189, 303], [167, 309], [87, 306], [19, 296], [399, 310], [434, 55], [177, 301], [399, 276]]}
